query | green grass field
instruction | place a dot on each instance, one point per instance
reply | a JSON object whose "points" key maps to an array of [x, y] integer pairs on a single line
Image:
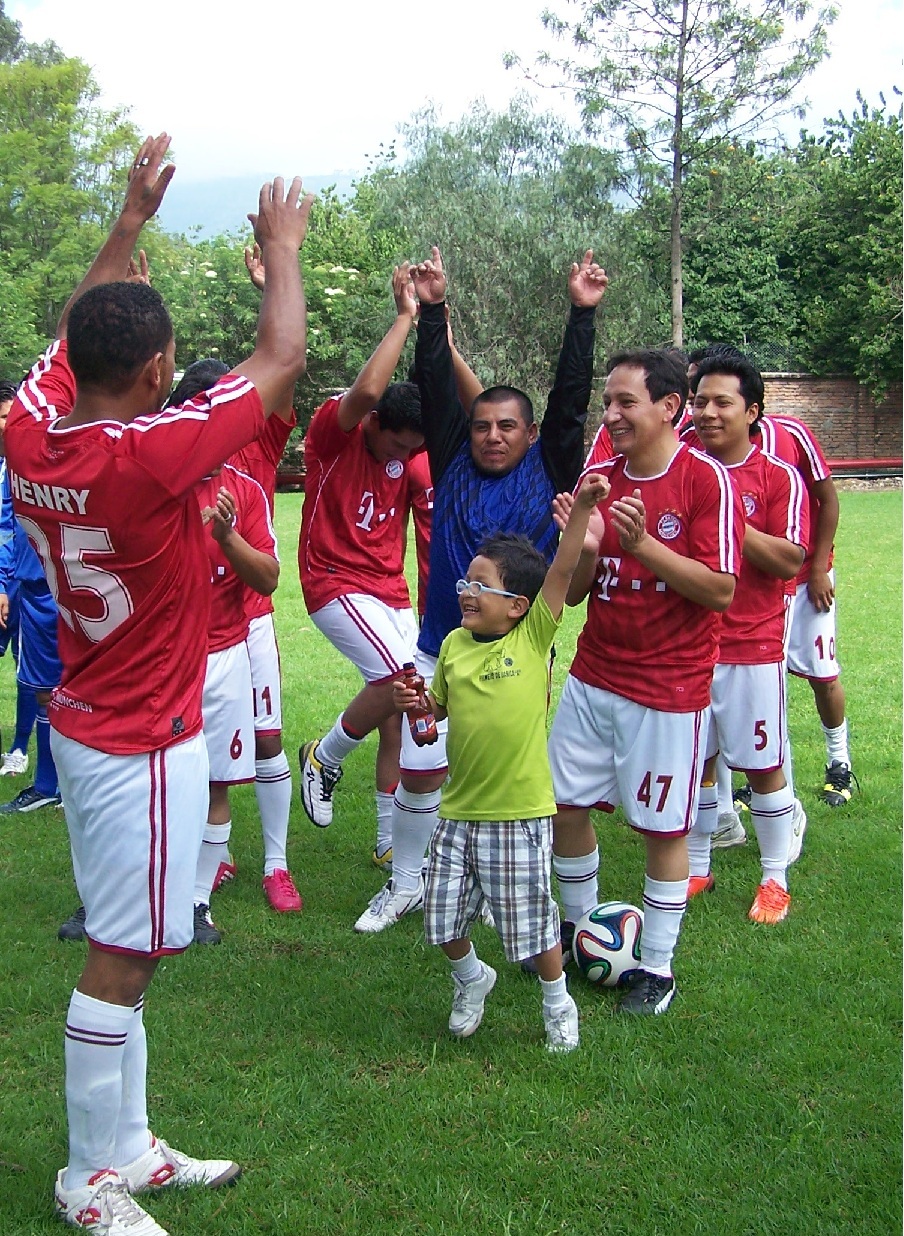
{"points": [[768, 1100]]}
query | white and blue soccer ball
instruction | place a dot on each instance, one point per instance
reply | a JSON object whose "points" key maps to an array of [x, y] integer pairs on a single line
{"points": [[607, 943]]}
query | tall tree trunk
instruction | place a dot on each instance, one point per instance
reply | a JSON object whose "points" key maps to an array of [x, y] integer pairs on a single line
{"points": [[677, 173]]}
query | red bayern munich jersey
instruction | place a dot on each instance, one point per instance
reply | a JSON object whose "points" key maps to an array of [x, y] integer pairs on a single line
{"points": [[643, 640], [420, 502], [111, 512], [228, 610], [775, 502], [353, 519], [259, 460], [789, 439]]}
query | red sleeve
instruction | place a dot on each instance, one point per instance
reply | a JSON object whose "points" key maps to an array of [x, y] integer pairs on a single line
{"points": [[254, 523], [325, 436], [601, 450], [420, 496]]}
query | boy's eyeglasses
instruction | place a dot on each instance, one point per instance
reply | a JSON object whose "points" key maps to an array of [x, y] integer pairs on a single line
{"points": [[473, 587]]}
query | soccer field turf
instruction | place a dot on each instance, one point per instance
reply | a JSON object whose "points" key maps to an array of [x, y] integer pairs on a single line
{"points": [[766, 1101]]}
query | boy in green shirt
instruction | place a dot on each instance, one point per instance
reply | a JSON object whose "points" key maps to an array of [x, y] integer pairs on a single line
{"points": [[493, 842]]}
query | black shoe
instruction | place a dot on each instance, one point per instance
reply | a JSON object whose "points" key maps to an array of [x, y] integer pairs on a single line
{"points": [[30, 799], [529, 965], [648, 994], [205, 932], [838, 787], [74, 926], [741, 798]]}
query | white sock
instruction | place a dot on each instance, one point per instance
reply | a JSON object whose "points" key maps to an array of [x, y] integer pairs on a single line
{"points": [[467, 968], [664, 903], [414, 819], [384, 821], [837, 743], [96, 1034], [337, 744], [723, 783], [133, 1136], [214, 850], [773, 816], [273, 787], [555, 994], [699, 839], [578, 883], [788, 766]]}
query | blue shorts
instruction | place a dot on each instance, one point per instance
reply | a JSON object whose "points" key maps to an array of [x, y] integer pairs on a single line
{"points": [[39, 662], [9, 635]]}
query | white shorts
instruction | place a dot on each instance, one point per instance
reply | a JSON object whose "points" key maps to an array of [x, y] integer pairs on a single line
{"points": [[749, 716], [811, 642], [377, 639], [417, 760], [135, 826], [265, 678], [228, 709], [605, 750]]}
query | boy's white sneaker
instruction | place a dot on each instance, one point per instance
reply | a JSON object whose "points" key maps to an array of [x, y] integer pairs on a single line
{"points": [[104, 1205], [562, 1028], [388, 907], [468, 1002], [160, 1166]]}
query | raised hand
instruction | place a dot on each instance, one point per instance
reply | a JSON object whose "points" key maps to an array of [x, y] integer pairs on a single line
{"points": [[403, 291], [254, 264], [594, 489], [222, 516], [281, 217], [587, 282], [148, 180], [139, 272], [429, 279]]}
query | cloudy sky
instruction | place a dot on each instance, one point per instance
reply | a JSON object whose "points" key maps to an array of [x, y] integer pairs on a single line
{"points": [[275, 87]]}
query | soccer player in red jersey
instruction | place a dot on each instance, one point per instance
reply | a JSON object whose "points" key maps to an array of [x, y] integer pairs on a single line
{"points": [[749, 715], [106, 482], [659, 568]]}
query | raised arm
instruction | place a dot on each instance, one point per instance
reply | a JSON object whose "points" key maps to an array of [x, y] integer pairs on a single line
{"points": [[572, 516], [258, 570], [278, 359], [562, 429], [148, 181], [444, 418], [372, 381]]}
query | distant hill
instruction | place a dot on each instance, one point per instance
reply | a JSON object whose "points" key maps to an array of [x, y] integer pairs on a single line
{"points": [[221, 205]]}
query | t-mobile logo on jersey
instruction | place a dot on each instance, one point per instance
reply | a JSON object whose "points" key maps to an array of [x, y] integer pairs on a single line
{"points": [[366, 512]]}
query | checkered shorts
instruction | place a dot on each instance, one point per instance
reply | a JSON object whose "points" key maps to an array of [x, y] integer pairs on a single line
{"points": [[506, 862]]}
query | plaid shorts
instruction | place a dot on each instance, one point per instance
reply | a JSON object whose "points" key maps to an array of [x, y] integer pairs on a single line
{"points": [[506, 862]]}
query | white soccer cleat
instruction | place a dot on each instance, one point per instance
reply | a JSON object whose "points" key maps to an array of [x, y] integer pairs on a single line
{"points": [[161, 1167], [388, 907], [468, 1002], [105, 1206], [317, 784], [562, 1028], [798, 828]]}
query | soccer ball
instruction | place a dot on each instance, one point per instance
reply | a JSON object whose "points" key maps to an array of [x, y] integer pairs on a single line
{"points": [[607, 943]]}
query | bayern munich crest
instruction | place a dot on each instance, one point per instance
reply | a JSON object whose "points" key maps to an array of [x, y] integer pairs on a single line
{"points": [[394, 469], [669, 526], [749, 505]]}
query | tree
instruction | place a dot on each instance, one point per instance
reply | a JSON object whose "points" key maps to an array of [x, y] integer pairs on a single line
{"points": [[674, 76]]}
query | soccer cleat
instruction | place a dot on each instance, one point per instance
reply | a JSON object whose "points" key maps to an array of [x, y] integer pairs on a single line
{"points": [[771, 903], [14, 764], [30, 799], [281, 892], [205, 931], [562, 1032], [798, 828], [388, 907], [700, 884], [225, 873], [741, 797], [317, 784], [161, 1167], [566, 930], [468, 1002], [74, 926], [383, 862], [648, 994], [838, 787], [105, 1206], [730, 832]]}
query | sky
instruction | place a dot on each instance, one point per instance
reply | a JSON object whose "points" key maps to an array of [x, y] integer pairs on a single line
{"points": [[277, 87]]}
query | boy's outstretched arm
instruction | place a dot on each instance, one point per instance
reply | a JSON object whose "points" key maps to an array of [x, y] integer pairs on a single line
{"points": [[572, 516]]}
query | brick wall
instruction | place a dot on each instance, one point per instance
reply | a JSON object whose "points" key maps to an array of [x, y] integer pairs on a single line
{"points": [[841, 412]]}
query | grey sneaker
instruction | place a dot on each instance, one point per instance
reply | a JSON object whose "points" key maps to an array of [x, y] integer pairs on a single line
{"points": [[317, 784], [205, 931], [30, 799], [74, 926], [730, 832], [562, 1028], [468, 1002]]}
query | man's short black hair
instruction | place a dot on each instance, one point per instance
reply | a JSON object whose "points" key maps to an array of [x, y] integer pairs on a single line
{"points": [[664, 373], [521, 566], [750, 380], [200, 376], [713, 349], [114, 329], [8, 391], [502, 394], [399, 408]]}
